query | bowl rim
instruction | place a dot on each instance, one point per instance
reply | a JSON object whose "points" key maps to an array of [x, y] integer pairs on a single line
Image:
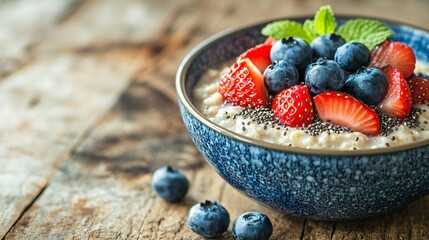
{"points": [[192, 109]]}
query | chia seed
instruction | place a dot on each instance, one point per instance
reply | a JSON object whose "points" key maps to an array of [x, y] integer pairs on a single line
{"points": [[390, 124], [264, 115]]}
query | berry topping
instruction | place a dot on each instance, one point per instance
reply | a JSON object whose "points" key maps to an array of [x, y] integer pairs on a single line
{"points": [[293, 106], [279, 76], [326, 45], [419, 89], [169, 184], [208, 219], [243, 85], [252, 226], [397, 54], [344, 110], [352, 56], [324, 75], [368, 85], [270, 41], [294, 51], [398, 100], [259, 56]]}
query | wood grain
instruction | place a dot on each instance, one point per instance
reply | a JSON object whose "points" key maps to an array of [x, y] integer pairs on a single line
{"points": [[91, 112]]}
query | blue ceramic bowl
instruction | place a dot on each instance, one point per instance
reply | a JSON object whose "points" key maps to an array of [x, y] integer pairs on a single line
{"points": [[316, 184]]}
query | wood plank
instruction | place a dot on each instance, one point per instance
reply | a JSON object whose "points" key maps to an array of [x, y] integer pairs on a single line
{"points": [[23, 24], [50, 104], [54, 100]]}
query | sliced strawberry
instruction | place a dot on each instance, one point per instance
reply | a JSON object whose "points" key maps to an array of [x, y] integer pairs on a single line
{"points": [[259, 55], [293, 106], [397, 102], [419, 89], [397, 54], [243, 85], [344, 110], [270, 41]]}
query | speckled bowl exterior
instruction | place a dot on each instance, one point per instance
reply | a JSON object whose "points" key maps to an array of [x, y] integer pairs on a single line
{"points": [[315, 184]]}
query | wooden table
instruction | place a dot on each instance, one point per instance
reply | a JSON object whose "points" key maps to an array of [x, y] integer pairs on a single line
{"points": [[88, 112]]}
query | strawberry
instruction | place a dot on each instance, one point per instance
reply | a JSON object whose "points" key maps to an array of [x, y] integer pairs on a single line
{"points": [[419, 89], [398, 100], [397, 54], [259, 55], [270, 41], [344, 110], [293, 106], [243, 85]]}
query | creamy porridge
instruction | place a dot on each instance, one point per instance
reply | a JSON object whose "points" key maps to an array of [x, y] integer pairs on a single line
{"points": [[258, 126]]}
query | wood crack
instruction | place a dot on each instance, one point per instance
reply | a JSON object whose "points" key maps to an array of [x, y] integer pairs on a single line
{"points": [[333, 230], [72, 9], [26, 209], [304, 226]]}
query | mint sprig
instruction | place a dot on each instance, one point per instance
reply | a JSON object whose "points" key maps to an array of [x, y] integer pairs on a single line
{"points": [[323, 23], [366, 31], [284, 29]]}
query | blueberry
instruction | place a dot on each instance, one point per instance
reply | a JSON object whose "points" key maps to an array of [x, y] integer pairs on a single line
{"points": [[294, 51], [352, 56], [422, 75], [369, 85], [170, 184], [252, 226], [326, 45], [324, 75], [279, 76], [208, 219]]}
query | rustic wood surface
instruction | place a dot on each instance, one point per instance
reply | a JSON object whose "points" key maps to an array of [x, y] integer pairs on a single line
{"points": [[88, 112]]}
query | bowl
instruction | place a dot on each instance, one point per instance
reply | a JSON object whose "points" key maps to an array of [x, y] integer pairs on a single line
{"points": [[309, 183]]}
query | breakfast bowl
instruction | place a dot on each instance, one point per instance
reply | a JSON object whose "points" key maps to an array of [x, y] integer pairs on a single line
{"points": [[326, 184]]}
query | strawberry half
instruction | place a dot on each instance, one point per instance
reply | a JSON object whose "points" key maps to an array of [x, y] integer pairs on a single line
{"points": [[397, 54], [344, 110], [419, 89], [293, 106], [243, 85], [259, 55], [397, 102], [270, 41]]}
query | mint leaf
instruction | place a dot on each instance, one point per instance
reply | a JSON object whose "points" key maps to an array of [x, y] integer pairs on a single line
{"points": [[324, 21], [366, 31], [309, 29], [285, 28]]}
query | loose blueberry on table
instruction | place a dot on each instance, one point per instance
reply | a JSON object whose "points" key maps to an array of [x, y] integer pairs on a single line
{"points": [[208, 219], [170, 184], [252, 226]]}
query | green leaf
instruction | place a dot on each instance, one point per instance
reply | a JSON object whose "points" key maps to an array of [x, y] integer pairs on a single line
{"points": [[324, 21], [309, 29], [366, 31], [285, 28]]}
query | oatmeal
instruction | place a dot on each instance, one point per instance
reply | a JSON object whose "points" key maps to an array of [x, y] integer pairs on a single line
{"points": [[259, 123]]}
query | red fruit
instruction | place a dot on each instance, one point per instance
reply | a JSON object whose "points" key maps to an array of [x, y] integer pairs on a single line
{"points": [[397, 102], [293, 106], [243, 85], [270, 41], [344, 110], [419, 89], [259, 55], [397, 54]]}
